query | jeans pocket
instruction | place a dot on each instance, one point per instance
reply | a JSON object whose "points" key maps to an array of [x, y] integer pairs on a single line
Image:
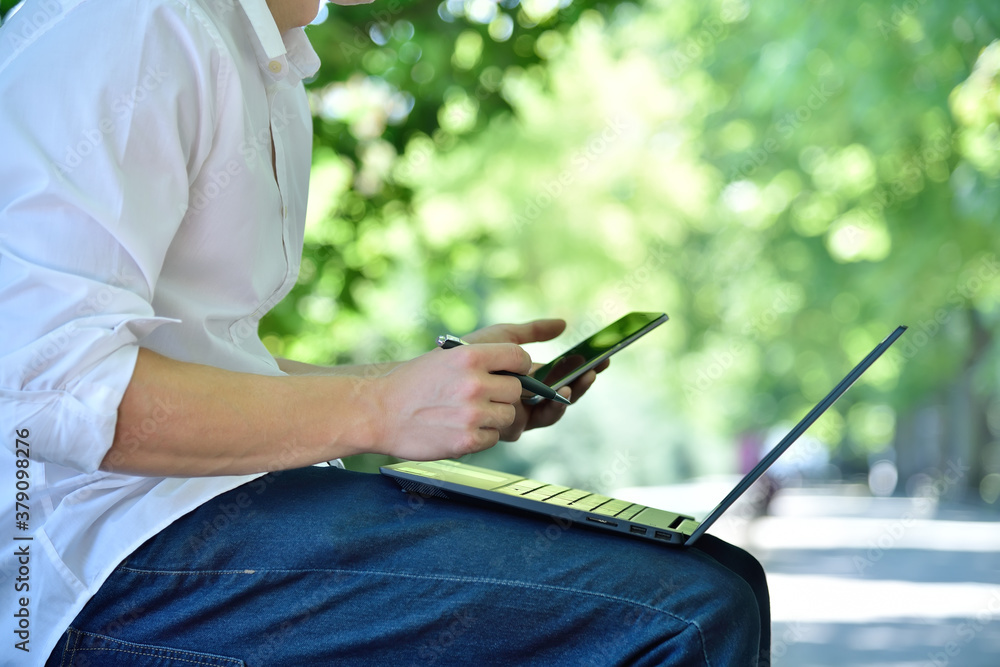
{"points": [[85, 649]]}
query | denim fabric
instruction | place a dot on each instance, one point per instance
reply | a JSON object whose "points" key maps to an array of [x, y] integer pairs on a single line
{"points": [[79, 649], [322, 566]]}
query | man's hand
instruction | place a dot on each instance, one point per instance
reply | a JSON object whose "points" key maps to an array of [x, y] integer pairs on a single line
{"points": [[447, 403], [545, 413]]}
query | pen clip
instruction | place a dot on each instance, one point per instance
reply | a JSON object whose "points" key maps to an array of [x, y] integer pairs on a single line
{"points": [[447, 341], [540, 389]]}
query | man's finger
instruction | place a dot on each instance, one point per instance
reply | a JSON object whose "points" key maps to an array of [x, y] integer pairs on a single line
{"points": [[548, 413], [528, 332], [509, 358], [582, 384], [538, 330]]}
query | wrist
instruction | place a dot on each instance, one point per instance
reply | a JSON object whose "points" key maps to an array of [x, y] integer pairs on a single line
{"points": [[361, 426]]}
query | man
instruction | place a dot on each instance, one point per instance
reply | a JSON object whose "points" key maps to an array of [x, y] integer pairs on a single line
{"points": [[152, 192]]}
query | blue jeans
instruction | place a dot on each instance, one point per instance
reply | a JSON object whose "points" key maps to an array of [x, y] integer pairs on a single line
{"points": [[321, 566]]}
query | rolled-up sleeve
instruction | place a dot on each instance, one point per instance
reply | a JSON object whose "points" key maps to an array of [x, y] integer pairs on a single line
{"points": [[70, 345], [95, 174]]}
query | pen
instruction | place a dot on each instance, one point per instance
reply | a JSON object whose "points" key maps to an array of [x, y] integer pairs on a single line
{"points": [[538, 387]]}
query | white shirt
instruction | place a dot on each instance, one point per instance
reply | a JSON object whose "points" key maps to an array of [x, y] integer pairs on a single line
{"points": [[138, 206]]}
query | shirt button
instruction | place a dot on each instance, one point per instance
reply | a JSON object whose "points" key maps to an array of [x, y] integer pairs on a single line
{"points": [[274, 66], [284, 211]]}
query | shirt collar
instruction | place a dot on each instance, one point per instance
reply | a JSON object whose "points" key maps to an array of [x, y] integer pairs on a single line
{"points": [[288, 57]]}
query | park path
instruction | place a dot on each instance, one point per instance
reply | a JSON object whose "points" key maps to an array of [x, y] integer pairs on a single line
{"points": [[858, 581]]}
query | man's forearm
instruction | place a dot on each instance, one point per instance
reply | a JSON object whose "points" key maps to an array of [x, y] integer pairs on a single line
{"points": [[363, 370], [182, 419]]}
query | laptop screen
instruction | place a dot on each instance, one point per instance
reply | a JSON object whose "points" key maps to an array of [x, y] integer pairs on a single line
{"points": [[797, 431]]}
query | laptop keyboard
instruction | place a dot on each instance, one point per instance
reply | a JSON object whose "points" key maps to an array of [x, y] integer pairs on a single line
{"points": [[575, 498]]}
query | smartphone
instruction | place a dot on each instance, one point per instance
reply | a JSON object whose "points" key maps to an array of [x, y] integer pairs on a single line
{"points": [[615, 337]]}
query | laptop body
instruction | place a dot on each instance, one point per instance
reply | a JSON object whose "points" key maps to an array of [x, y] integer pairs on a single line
{"points": [[449, 478]]}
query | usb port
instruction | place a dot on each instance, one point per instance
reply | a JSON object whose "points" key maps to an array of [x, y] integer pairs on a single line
{"points": [[661, 535], [597, 519], [638, 530]]}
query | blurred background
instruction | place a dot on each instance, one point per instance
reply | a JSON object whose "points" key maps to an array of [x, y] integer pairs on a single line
{"points": [[788, 181]]}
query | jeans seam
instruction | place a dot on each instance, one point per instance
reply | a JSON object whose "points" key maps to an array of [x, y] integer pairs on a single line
{"points": [[151, 653], [75, 638], [172, 658], [478, 580]]}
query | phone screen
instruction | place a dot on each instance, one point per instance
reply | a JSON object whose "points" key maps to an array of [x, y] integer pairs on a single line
{"points": [[575, 362]]}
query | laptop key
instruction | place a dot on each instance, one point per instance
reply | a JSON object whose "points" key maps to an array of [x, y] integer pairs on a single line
{"points": [[612, 507], [631, 512], [572, 495], [546, 492], [521, 487], [588, 503]]}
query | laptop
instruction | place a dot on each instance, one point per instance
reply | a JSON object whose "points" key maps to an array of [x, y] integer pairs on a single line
{"points": [[454, 479]]}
